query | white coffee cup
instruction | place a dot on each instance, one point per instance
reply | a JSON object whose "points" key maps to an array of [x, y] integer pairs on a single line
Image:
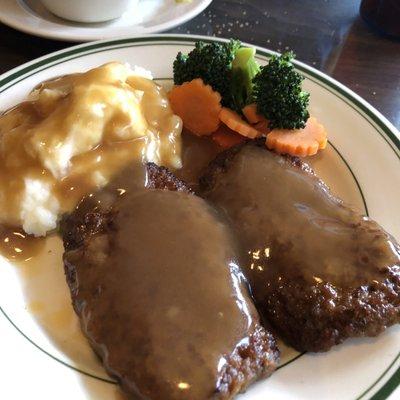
{"points": [[88, 10]]}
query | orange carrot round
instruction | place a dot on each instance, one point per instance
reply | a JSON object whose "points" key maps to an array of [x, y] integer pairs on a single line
{"points": [[263, 127], [252, 115], [298, 142], [237, 124], [198, 105], [226, 137]]}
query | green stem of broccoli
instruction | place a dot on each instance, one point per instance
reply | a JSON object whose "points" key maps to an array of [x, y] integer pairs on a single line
{"points": [[244, 69]]}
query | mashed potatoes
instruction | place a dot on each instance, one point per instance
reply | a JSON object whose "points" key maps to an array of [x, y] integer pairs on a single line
{"points": [[73, 134]]}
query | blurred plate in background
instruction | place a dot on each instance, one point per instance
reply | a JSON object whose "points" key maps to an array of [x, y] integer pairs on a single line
{"points": [[149, 16]]}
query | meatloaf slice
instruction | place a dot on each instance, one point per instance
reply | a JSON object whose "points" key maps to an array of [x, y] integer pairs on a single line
{"points": [[155, 281], [320, 271]]}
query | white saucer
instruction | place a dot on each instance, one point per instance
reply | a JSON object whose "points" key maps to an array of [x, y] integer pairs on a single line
{"points": [[149, 16]]}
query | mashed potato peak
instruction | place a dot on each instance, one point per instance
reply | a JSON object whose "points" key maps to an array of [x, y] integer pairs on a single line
{"points": [[73, 134]]}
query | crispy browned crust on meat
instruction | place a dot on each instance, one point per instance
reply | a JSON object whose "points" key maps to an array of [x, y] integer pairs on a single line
{"points": [[317, 317], [163, 178], [90, 231], [247, 364]]}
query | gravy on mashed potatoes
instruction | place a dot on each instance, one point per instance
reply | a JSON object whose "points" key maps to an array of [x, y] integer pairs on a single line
{"points": [[73, 134]]}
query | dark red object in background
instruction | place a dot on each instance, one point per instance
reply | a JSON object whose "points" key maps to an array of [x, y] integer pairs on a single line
{"points": [[382, 15]]}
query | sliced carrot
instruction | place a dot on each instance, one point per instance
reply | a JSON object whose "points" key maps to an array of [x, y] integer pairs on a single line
{"points": [[198, 105], [226, 137], [299, 142], [263, 127], [252, 115], [237, 124]]}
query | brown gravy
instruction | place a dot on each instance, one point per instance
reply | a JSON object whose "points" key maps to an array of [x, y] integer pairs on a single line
{"points": [[197, 153], [73, 135], [18, 246], [162, 299], [292, 228]]}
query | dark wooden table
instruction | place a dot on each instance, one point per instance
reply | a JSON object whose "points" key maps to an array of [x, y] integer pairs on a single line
{"points": [[327, 34]]}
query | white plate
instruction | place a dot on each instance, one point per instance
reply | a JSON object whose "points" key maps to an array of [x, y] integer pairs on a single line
{"points": [[150, 16], [43, 354]]}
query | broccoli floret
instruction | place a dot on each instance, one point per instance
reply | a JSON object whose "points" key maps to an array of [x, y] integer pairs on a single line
{"points": [[212, 62], [279, 95], [244, 69]]}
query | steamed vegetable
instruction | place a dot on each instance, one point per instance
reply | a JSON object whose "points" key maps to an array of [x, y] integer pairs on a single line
{"points": [[278, 93], [198, 105], [252, 115], [235, 122], [244, 69], [302, 142], [263, 127], [223, 83], [212, 62], [226, 137]]}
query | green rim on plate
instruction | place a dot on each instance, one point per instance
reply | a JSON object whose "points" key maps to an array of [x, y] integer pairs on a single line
{"points": [[376, 120]]}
